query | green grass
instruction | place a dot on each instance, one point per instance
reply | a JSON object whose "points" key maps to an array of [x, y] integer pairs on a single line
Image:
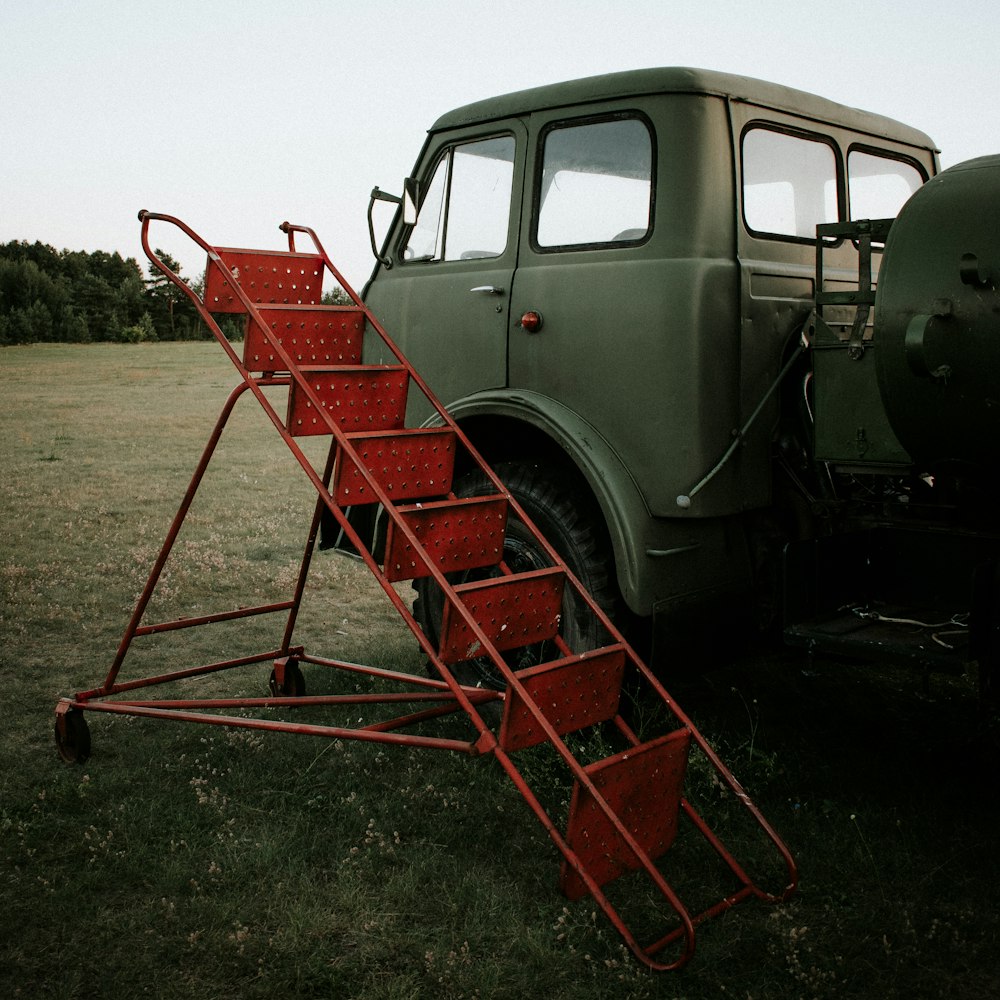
{"points": [[196, 861]]}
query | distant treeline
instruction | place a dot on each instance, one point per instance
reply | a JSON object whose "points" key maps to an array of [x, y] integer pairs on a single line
{"points": [[49, 295]]}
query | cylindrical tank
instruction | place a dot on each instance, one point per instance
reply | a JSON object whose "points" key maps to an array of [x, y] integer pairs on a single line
{"points": [[937, 319]]}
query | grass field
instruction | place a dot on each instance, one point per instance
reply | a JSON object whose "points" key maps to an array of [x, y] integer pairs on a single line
{"points": [[185, 861]]}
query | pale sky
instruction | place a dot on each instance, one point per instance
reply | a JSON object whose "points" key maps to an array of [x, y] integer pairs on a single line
{"points": [[237, 114]]}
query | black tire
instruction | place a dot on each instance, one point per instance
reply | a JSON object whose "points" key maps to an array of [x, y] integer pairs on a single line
{"points": [[569, 519]]}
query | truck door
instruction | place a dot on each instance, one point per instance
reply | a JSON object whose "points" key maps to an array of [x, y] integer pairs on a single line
{"points": [[445, 297]]}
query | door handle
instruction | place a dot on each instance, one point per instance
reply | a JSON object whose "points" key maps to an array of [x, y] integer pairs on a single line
{"points": [[487, 289]]}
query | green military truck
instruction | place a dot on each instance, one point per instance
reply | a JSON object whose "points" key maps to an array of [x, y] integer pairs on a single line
{"points": [[617, 287]]}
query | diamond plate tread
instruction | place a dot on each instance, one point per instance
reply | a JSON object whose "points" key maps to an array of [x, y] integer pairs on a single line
{"points": [[454, 534], [312, 335], [267, 276], [643, 785], [357, 398], [512, 611], [572, 693], [407, 465]]}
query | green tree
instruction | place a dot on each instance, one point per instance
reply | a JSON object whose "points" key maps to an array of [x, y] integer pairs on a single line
{"points": [[139, 332], [168, 305], [76, 296], [73, 326]]}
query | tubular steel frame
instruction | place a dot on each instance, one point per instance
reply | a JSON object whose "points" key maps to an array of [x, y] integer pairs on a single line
{"points": [[432, 698]]}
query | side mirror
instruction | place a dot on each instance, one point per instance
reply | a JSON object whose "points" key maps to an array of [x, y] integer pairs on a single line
{"points": [[411, 200], [412, 191]]}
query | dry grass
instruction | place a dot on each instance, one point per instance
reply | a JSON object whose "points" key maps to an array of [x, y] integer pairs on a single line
{"points": [[180, 862]]}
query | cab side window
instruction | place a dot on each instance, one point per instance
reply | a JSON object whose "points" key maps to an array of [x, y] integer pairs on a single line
{"points": [[789, 183], [465, 212], [878, 185], [596, 184]]}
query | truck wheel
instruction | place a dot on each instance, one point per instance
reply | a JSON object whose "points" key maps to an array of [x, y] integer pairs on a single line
{"points": [[573, 528]]}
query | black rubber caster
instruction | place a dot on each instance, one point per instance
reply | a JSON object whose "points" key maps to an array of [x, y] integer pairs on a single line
{"points": [[72, 736]]}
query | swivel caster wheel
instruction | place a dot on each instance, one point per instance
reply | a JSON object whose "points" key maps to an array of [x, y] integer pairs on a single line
{"points": [[286, 679], [72, 736]]}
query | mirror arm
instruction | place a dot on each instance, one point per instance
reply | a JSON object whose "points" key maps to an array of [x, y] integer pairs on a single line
{"points": [[379, 195]]}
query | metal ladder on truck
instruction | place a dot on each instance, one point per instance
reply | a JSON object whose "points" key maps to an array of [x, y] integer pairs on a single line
{"points": [[625, 810]]}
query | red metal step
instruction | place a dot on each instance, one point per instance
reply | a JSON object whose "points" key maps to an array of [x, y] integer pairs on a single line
{"points": [[266, 276], [312, 335], [512, 611], [574, 692], [407, 464], [643, 786], [371, 398], [453, 534]]}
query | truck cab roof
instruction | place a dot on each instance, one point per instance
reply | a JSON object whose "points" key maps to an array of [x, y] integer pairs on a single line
{"points": [[681, 80]]}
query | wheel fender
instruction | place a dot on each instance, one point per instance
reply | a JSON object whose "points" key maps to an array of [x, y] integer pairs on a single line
{"points": [[624, 510]]}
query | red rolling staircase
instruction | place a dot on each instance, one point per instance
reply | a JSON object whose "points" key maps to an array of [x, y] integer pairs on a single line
{"points": [[626, 809]]}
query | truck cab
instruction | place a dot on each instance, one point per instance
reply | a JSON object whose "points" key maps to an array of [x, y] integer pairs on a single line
{"points": [[608, 282]]}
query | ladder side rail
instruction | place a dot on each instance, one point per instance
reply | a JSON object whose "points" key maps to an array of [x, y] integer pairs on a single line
{"points": [[401, 359], [251, 309], [253, 383], [290, 229]]}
